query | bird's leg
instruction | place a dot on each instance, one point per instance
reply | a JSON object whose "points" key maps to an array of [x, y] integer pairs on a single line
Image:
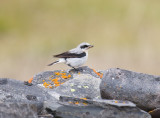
{"points": [[75, 69]]}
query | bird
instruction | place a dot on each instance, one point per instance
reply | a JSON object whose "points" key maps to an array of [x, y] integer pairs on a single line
{"points": [[74, 58]]}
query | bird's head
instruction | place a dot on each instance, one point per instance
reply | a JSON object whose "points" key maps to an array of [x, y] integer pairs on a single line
{"points": [[85, 46]]}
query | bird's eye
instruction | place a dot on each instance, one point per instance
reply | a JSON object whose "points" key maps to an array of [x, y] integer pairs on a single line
{"points": [[84, 46]]}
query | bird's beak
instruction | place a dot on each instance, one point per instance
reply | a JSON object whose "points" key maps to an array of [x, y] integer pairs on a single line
{"points": [[91, 46]]}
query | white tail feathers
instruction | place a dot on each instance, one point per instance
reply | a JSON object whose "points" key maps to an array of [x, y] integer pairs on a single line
{"points": [[52, 63], [58, 61]]}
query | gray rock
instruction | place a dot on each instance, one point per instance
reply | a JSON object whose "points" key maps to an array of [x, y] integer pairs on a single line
{"points": [[84, 83], [82, 86], [47, 76], [70, 107], [141, 89], [17, 99], [54, 94], [14, 90], [18, 110]]}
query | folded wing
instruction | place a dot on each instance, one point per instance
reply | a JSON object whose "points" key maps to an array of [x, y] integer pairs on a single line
{"points": [[70, 55]]}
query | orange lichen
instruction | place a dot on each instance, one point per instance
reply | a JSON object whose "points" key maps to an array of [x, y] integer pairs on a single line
{"points": [[94, 71], [84, 98], [69, 76], [76, 103], [57, 85], [116, 101], [64, 77], [85, 103], [30, 80], [70, 102], [57, 73], [53, 80], [62, 83], [151, 111], [63, 74], [99, 74], [56, 82], [50, 86], [46, 85]]}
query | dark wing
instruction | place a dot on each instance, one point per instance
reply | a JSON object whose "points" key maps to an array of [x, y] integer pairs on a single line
{"points": [[70, 55]]}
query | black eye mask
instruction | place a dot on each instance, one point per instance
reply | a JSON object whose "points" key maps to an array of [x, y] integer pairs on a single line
{"points": [[84, 46]]}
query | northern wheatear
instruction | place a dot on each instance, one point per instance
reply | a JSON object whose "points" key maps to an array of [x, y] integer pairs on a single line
{"points": [[74, 57]]}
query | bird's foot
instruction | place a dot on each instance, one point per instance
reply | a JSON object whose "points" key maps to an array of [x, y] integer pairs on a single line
{"points": [[76, 70]]}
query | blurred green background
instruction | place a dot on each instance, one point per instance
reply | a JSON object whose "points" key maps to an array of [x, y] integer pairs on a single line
{"points": [[125, 33]]}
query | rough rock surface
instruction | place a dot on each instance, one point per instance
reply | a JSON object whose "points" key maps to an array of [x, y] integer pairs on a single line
{"points": [[62, 94], [14, 90], [83, 86], [62, 75], [17, 99], [18, 110], [79, 108], [84, 83], [141, 89]]}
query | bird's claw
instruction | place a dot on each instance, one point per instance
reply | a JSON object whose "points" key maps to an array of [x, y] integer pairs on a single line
{"points": [[75, 70]]}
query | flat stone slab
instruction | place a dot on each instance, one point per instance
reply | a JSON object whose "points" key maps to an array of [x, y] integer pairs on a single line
{"points": [[141, 89], [70, 107]]}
